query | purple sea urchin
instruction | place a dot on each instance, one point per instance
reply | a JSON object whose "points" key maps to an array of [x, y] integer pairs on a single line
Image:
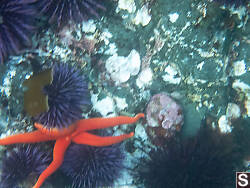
{"points": [[63, 11], [241, 132], [17, 24], [92, 167], [67, 94], [20, 163], [208, 160]]}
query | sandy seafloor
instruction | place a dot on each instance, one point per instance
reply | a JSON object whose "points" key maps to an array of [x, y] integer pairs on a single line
{"points": [[196, 51]]}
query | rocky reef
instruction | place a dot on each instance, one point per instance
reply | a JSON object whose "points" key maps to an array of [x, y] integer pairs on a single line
{"points": [[176, 61]]}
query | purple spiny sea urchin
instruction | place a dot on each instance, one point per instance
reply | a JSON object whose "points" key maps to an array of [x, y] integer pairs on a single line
{"points": [[20, 163], [17, 24], [208, 160], [67, 94], [92, 167], [63, 11]]}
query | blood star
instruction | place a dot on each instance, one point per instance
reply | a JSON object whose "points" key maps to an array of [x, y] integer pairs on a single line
{"points": [[76, 133]]}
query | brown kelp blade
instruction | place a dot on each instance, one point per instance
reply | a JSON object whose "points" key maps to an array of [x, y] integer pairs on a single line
{"points": [[35, 102]]}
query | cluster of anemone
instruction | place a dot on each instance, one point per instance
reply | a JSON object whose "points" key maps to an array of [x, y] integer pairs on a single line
{"points": [[20, 163], [18, 19], [91, 167], [67, 94], [208, 160]]}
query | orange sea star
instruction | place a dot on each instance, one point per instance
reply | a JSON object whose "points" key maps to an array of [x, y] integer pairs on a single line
{"points": [[77, 133]]}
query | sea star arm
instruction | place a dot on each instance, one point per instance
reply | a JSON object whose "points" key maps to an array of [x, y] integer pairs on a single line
{"points": [[60, 147], [100, 123], [94, 140], [31, 137]]}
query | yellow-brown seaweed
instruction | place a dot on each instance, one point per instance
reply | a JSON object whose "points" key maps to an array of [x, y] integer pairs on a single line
{"points": [[35, 102]]}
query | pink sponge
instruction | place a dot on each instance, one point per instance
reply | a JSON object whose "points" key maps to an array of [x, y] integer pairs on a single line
{"points": [[165, 113]]}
